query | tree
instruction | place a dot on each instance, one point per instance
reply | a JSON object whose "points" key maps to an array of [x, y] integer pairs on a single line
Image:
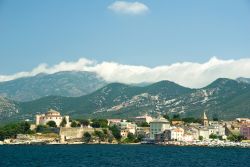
{"points": [[96, 124], [52, 124], [100, 135], [140, 137], [116, 132], [213, 136], [86, 137], [235, 137], [11, 130], [200, 138], [84, 122], [143, 124], [74, 124], [105, 131], [176, 117], [215, 117], [190, 120], [166, 116], [99, 123], [64, 122], [131, 137], [41, 128]]}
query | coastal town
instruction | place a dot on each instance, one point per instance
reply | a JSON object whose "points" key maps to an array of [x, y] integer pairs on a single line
{"points": [[53, 128]]}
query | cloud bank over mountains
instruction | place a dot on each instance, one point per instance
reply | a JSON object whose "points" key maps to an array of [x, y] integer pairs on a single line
{"points": [[189, 74]]}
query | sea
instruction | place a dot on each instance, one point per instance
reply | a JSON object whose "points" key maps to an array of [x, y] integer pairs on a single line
{"points": [[121, 156]]}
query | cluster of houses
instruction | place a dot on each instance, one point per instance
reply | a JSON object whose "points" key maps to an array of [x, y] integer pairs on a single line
{"points": [[160, 129]]}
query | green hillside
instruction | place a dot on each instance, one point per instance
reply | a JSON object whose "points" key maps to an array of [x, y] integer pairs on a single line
{"points": [[224, 98]]}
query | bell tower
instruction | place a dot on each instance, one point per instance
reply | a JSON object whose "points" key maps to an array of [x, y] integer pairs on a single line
{"points": [[204, 120]]}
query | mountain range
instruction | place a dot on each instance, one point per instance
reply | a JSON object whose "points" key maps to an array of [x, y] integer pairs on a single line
{"points": [[223, 98], [68, 83]]}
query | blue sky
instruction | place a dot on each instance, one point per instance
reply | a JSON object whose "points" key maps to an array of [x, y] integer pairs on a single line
{"points": [[51, 31]]}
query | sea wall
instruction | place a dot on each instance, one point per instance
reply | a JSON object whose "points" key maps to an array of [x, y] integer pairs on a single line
{"points": [[75, 133]]}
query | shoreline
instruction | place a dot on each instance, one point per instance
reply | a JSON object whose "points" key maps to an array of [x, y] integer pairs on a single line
{"points": [[177, 144]]}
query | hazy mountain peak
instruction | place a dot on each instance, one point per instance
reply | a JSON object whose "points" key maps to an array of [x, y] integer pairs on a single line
{"points": [[243, 80], [222, 82], [65, 83]]}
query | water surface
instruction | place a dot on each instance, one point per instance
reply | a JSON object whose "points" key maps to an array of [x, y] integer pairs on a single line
{"points": [[122, 155]]}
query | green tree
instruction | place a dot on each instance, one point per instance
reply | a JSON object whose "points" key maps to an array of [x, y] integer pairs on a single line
{"points": [[105, 131], [143, 124], [235, 137], [215, 117], [64, 122], [130, 138], [11, 130], [52, 124], [200, 138], [41, 128], [86, 137], [140, 137], [190, 120], [166, 116], [116, 132], [100, 135], [99, 123], [213, 136], [84, 122], [176, 117], [75, 124]]}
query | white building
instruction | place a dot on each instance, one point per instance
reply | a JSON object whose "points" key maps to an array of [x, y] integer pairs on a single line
{"points": [[188, 137], [52, 115], [217, 130], [158, 126], [204, 132], [176, 134], [128, 126]]}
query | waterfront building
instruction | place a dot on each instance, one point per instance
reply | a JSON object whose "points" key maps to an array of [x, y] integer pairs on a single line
{"points": [[143, 131], [172, 134], [245, 131], [193, 131], [157, 126], [129, 126], [176, 134], [188, 137], [204, 132], [212, 130], [51, 115], [124, 133]]}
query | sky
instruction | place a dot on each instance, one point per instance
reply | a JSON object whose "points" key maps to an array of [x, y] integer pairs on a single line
{"points": [[146, 34]]}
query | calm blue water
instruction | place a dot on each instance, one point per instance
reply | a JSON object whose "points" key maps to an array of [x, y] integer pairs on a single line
{"points": [[122, 155]]}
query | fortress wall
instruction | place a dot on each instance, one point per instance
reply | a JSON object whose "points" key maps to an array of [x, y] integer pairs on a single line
{"points": [[75, 133]]}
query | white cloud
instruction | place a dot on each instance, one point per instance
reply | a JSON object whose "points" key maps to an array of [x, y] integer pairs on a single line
{"points": [[188, 74], [133, 8]]}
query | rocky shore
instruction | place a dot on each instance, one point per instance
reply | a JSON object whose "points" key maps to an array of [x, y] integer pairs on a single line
{"points": [[216, 143]]}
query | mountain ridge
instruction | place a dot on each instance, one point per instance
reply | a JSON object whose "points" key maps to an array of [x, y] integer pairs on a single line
{"points": [[66, 83], [224, 97]]}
